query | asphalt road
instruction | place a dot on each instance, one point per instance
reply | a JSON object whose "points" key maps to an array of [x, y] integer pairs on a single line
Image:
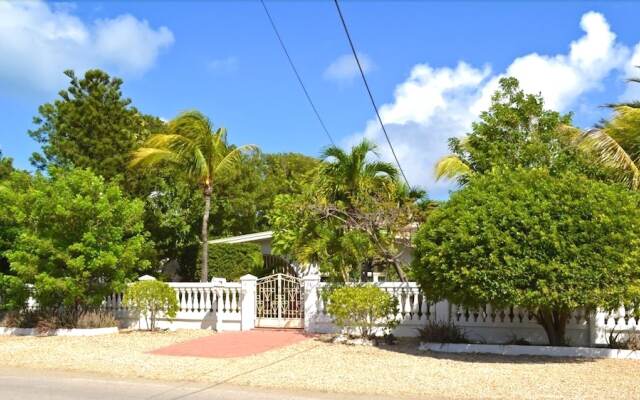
{"points": [[38, 385]]}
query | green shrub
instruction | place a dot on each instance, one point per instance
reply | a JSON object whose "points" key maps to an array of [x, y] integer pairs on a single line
{"points": [[150, 298], [233, 260], [13, 293], [362, 308]]}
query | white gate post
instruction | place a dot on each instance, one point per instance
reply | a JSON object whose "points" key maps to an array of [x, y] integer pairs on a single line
{"points": [[311, 301], [248, 307], [442, 311]]}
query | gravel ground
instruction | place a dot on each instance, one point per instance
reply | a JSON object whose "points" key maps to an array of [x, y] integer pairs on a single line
{"points": [[320, 366]]}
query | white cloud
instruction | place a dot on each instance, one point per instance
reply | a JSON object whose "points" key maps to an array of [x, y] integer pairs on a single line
{"points": [[223, 64], [344, 69], [39, 41], [632, 70], [434, 104]]}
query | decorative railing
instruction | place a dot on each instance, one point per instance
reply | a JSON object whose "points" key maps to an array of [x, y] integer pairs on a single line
{"points": [[413, 307], [217, 302]]}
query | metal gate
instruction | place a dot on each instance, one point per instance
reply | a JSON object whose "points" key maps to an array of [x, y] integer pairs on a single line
{"points": [[279, 302]]}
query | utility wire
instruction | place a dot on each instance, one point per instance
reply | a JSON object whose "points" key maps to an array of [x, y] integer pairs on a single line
{"points": [[295, 71], [366, 85]]}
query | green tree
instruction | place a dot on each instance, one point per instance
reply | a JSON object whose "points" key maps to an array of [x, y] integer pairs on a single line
{"points": [[200, 152], [548, 243], [6, 166], [80, 239], [350, 217], [12, 188], [351, 176], [90, 126], [516, 131]]}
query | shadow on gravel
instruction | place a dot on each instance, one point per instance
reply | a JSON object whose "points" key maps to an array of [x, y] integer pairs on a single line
{"points": [[410, 346]]}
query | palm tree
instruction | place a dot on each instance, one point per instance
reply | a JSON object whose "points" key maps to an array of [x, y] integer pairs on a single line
{"points": [[616, 143], [198, 149], [616, 146], [352, 175]]}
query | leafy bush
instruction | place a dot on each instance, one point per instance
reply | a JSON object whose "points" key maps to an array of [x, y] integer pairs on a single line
{"points": [[525, 238], [362, 308], [150, 298], [442, 332], [233, 260], [80, 241], [13, 293]]}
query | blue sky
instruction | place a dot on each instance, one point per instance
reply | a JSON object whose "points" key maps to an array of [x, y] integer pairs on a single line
{"points": [[431, 65]]}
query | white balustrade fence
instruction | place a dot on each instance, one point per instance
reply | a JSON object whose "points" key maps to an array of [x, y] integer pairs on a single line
{"points": [[231, 306], [207, 305], [485, 324]]}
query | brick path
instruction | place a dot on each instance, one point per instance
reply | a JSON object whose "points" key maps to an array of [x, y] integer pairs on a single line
{"points": [[235, 344]]}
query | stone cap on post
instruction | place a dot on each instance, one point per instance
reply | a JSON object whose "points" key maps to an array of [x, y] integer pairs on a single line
{"points": [[248, 278], [146, 278], [311, 278]]}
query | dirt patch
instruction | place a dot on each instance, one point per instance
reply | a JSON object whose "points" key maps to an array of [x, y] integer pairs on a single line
{"points": [[321, 366]]}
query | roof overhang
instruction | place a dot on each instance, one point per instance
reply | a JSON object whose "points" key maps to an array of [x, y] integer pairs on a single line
{"points": [[250, 237]]}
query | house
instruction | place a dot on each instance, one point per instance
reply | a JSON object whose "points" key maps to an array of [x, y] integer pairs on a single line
{"points": [[264, 239]]}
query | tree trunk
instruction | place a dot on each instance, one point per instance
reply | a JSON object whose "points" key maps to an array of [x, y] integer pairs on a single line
{"points": [[401, 275], [554, 323], [204, 270]]}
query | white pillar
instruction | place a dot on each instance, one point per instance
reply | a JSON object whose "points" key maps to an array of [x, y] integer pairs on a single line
{"points": [[442, 311], [248, 306], [311, 301]]}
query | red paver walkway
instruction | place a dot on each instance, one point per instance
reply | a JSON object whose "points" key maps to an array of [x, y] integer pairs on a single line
{"points": [[234, 344]]}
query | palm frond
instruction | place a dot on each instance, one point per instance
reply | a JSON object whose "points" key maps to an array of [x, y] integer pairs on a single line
{"points": [[149, 156], [612, 155], [451, 166], [380, 167], [334, 152], [233, 158]]}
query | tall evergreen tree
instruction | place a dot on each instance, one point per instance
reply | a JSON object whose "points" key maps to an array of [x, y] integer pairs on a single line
{"points": [[90, 126]]}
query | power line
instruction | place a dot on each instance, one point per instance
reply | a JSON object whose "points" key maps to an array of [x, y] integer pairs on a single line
{"points": [[366, 85], [295, 71]]}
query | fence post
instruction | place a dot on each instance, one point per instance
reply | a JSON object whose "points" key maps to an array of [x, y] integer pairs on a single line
{"points": [[248, 307], [442, 311], [311, 283]]}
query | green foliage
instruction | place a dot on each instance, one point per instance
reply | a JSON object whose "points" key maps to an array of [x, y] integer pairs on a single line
{"points": [[150, 298], [550, 244], [80, 239], [233, 260], [193, 146], [349, 218], [362, 308], [90, 126], [6, 166], [13, 293], [617, 145], [11, 215], [516, 131]]}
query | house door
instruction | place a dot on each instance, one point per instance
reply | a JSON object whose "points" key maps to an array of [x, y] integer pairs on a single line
{"points": [[279, 302]]}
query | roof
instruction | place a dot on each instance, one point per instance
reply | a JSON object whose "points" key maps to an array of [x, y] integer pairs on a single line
{"points": [[250, 237]]}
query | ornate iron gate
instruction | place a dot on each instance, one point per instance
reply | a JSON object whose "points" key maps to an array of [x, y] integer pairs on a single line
{"points": [[279, 302]]}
